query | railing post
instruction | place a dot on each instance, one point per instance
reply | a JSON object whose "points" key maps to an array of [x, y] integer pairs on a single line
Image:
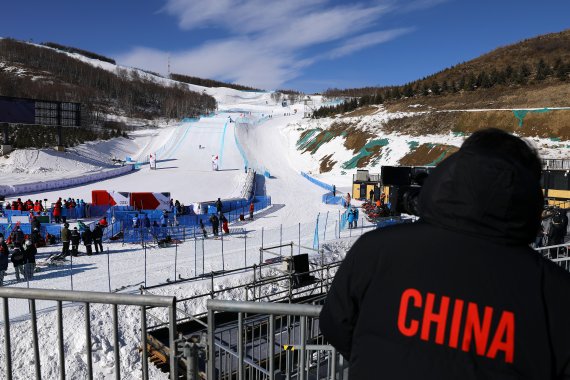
{"points": [[71, 269], [240, 346], [117, 353], [271, 347], [172, 336], [211, 359], [88, 341], [109, 269], [144, 344], [7, 345], [144, 266], [175, 259], [303, 353], [60, 341], [37, 362]]}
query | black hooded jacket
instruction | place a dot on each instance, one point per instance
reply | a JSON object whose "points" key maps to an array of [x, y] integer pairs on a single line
{"points": [[459, 294]]}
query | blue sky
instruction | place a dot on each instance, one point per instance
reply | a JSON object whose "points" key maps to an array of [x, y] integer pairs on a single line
{"points": [[309, 45]]}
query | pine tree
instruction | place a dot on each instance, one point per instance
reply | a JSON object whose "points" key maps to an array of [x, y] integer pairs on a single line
{"points": [[435, 89], [471, 83], [542, 70], [408, 91], [509, 74], [562, 71], [462, 83]]}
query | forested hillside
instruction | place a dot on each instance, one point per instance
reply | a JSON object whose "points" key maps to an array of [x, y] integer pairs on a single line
{"points": [[210, 82], [513, 76], [32, 71]]}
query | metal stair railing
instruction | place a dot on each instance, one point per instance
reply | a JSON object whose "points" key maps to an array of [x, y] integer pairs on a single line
{"points": [[87, 298], [303, 355]]}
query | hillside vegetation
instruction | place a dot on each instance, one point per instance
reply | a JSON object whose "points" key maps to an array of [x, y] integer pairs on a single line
{"points": [[210, 82], [531, 73], [33, 71]]}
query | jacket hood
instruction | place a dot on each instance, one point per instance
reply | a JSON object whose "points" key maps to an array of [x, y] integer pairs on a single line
{"points": [[486, 194]]}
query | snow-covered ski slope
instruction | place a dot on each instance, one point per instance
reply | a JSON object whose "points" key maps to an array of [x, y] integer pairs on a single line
{"points": [[184, 155]]}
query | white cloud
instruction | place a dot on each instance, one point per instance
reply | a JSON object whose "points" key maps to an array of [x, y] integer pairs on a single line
{"points": [[366, 40], [269, 42]]}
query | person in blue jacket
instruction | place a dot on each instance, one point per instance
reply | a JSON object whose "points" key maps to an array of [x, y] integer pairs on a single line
{"points": [[355, 212], [164, 219], [350, 217]]}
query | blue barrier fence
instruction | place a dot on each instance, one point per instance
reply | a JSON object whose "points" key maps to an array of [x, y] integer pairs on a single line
{"points": [[325, 186], [330, 200], [180, 228]]}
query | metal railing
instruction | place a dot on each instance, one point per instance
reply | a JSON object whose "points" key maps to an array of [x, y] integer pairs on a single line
{"points": [[278, 341], [87, 298]]}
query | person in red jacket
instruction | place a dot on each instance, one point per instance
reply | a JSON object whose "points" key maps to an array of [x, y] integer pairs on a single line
{"points": [[251, 210], [57, 211], [103, 222], [458, 294]]}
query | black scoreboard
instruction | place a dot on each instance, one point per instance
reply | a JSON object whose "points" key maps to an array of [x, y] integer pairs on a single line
{"points": [[40, 112]]}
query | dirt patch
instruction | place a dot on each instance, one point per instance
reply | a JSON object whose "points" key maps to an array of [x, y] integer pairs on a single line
{"points": [[537, 95], [424, 124], [428, 154], [327, 164], [355, 138], [363, 111], [554, 123]]}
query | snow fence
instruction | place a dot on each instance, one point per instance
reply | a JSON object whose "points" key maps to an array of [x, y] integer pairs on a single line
{"points": [[327, 198], [27, 188]]}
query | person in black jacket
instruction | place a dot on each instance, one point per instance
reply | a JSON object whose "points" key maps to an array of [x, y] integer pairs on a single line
{"points": [[4, 255], [215, 224], [219, 206], [98, 238], [30, 252], [35, 223], [87, 238], [75, 238], [459, 294], [18, 237], [18, 262]]}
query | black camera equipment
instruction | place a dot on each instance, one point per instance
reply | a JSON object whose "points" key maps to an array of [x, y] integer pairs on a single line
{"points": [[405, 185]]}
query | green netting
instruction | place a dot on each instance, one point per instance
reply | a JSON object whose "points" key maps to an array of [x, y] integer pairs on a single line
{"points": [[521, 114], [313, 143], [303, 142], [458, 134], [555, 139], [439, 159], [364, 152], [413, 144]]}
